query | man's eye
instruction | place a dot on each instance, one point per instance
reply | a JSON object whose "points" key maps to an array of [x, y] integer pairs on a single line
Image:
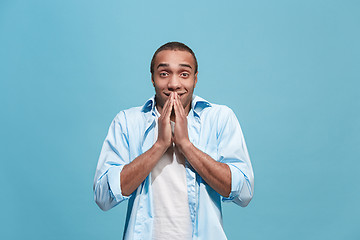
{"points": [[164, 74], [184, 74]]}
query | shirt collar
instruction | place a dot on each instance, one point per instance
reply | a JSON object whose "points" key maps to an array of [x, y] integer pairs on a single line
{"points": [[149, 105], [197, 105]]}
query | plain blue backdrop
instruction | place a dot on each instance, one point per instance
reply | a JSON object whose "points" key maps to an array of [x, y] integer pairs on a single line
{"points": [[289, 70]]}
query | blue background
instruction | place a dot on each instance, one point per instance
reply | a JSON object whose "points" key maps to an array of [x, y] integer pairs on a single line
{"points": [[288, 69]]}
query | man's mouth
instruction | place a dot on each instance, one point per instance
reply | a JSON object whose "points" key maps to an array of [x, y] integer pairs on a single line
{"points": [[179, 93]]}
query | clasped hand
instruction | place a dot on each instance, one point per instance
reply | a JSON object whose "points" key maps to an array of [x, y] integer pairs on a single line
{"points": [[165, 136]]}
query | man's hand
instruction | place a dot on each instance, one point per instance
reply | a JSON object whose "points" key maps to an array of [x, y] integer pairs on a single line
{"points": [[181, 137], [164, 139], [216, 174], [134, 173]]}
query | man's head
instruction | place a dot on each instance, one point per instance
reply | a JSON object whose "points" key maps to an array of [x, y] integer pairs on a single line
{"points": [[174, 69], [175, 46]]}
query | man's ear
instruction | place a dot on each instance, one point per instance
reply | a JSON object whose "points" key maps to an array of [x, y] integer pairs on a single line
{"points": [[152, 80], [195, 79]]}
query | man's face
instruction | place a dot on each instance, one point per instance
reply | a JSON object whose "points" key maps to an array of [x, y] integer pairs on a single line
{"points": [[174, 71]]}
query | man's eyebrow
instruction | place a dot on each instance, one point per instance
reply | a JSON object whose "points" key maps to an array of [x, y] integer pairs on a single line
{"points": [[167, 65], [163, 65], [185, 65]]}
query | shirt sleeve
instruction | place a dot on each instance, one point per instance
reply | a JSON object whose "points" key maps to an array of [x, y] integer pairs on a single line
{"points": [[232, 151], [114, 156]]}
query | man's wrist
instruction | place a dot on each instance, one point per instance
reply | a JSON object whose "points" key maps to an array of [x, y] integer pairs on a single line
{"points": [[158, 146], [185, 146]]}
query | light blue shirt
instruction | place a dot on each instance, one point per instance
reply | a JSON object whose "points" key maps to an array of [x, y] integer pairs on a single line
{"points": [[212, 128]]}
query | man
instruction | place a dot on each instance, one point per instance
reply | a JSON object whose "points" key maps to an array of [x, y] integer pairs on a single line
{"points": [[175, 158]]}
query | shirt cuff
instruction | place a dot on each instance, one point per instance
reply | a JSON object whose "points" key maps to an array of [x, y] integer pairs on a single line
{"points": [[237, 179], [114, 183]]}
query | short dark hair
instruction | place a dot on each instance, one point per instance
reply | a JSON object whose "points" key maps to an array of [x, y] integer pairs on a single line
{"points": [[173, 46]]}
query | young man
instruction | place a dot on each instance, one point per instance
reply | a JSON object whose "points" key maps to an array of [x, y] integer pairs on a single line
{"points": [[175, 158]]}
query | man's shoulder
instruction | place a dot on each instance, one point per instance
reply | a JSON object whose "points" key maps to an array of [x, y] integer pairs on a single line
{"points": [[220, 107], [133, 110], [130, 113], [218, 114], [217, 110]]}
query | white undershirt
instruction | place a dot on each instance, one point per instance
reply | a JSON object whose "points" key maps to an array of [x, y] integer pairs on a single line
{"points": [[170, 199]]}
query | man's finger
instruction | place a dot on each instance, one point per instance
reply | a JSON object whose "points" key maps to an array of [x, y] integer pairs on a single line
{"points": [[176, 108], [182, 110], [167, 113], [179, 108], [166, 106]]}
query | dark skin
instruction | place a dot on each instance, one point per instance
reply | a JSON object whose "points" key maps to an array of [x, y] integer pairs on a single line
{"points": [[174, 82]]}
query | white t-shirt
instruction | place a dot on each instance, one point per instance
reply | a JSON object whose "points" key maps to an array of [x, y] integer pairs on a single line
{"points": [[170, 198]]}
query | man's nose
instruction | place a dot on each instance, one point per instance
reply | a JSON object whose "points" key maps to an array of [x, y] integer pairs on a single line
{"points": [[174, 83]]}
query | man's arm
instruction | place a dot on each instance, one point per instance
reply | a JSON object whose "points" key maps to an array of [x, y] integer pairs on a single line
{"points": [[113, 156], [134, 173], [216, 174], [116, 178]]}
